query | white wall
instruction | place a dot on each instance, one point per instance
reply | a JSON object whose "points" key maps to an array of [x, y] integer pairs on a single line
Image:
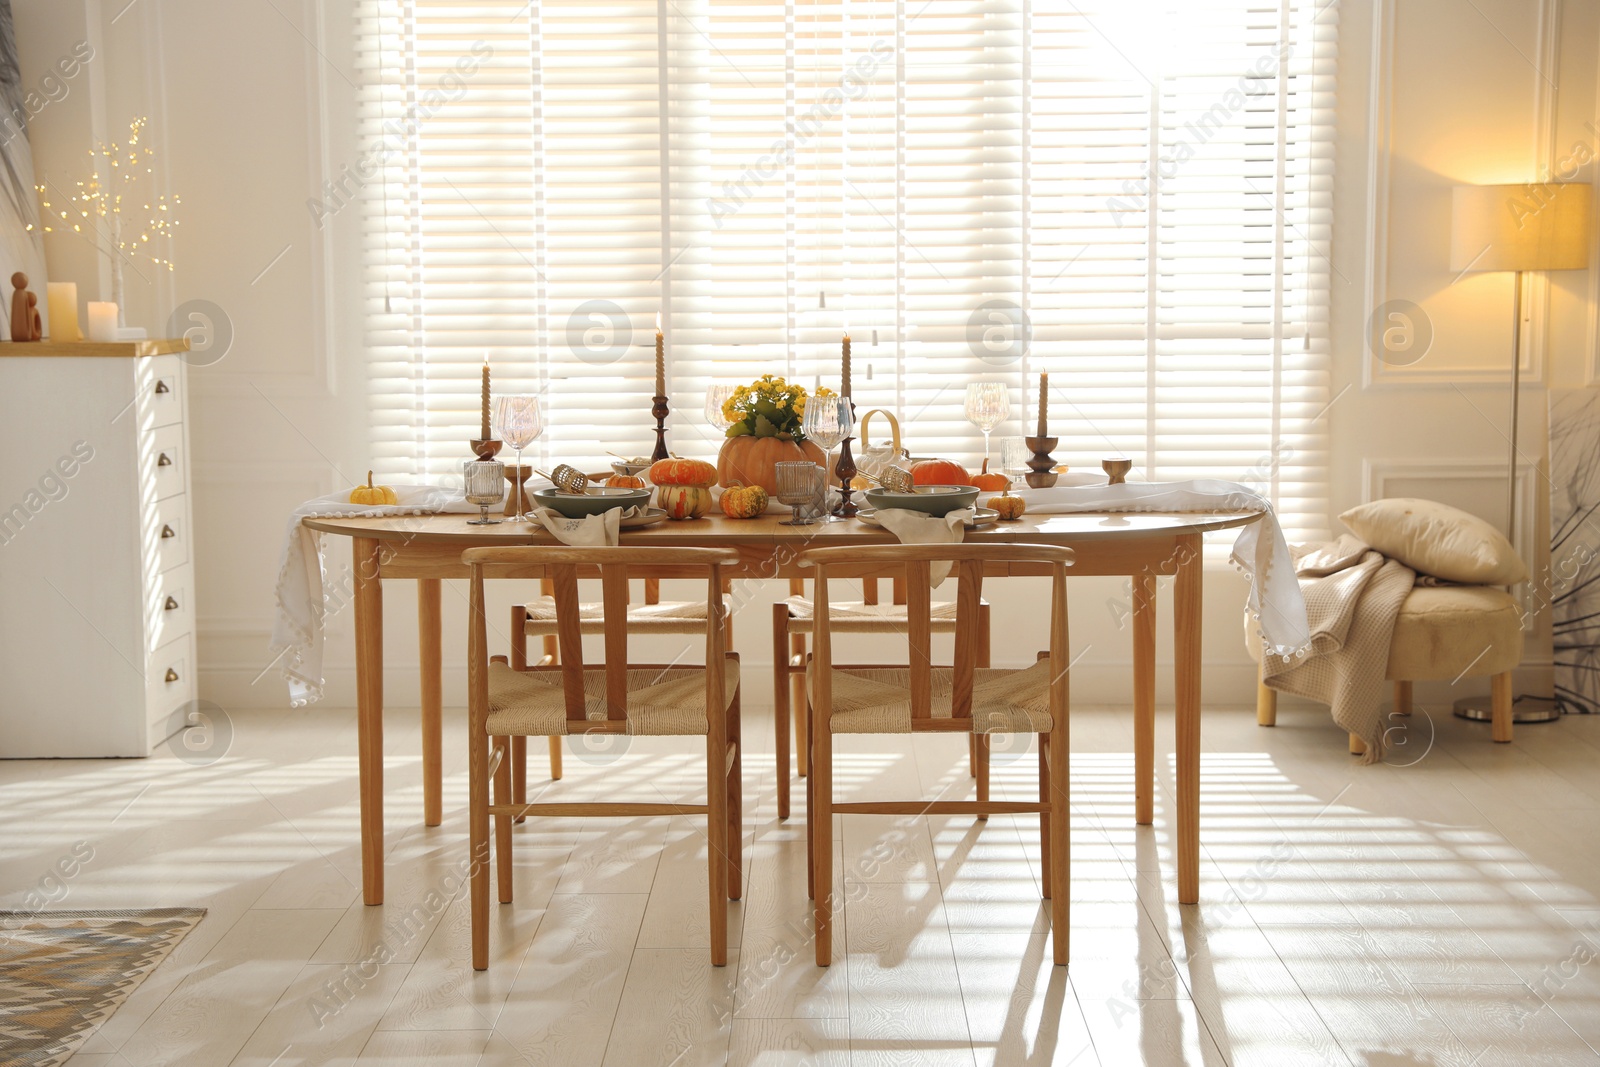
{"points": [[251, 109]]}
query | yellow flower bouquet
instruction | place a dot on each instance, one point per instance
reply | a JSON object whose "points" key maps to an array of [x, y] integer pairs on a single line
{"points": [[768, 407]]}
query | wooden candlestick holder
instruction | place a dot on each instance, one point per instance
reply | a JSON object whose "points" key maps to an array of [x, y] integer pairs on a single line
{"points": [[1041, 468], [660, 411], [518, 477], [485, 449], [846, 471]]}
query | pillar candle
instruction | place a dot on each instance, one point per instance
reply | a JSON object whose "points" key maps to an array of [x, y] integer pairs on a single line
{"points": [[661, 359], [844, 372], [102, 321], [1044, 403], [62, 303], [483, 429]]}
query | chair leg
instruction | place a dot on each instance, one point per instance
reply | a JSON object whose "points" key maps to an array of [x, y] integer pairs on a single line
{"points": [[1044, 820], [972, 755], [1358, 747], [717, 847], [799, 701], [1500, 726], [555, 758], [1060, 854], [973, 746], [1266, 704], [780, 702], [478, 847], [1402, 698], [735, 783], [980, 745], [822, 848], [519, 773], [502, 823], [811, 828], [519, 745]]}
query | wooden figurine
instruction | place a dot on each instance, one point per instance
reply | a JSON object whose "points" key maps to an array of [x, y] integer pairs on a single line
{"points": [[25, 322]]}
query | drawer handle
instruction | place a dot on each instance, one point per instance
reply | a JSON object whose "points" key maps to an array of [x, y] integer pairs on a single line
{"points": [[172, 675], [168, 532], [170, 605], [161, 387], [163, 460]]}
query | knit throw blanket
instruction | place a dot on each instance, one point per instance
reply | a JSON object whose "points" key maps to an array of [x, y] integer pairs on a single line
{"points": [[1353, 596]]}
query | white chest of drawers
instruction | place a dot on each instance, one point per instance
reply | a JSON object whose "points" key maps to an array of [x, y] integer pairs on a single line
{"points": [[97, 646]]}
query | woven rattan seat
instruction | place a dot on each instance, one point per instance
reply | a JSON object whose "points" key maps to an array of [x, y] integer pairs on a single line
{"points": [[667, 617], [878, 700], [861, 617], [660, 703]]}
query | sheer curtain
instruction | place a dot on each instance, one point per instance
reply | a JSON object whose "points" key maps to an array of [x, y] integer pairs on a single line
{"points": [[1133, 196]]}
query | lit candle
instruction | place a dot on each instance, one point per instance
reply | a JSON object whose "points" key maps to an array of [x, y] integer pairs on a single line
{"points": [[62, 300], [102, 321], [661, 359], [1044, 402], [483, 429], [844, 373]]}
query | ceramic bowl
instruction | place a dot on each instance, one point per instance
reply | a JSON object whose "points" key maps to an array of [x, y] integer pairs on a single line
{"points": [[932, 499], [629, 470], [595, 499]]}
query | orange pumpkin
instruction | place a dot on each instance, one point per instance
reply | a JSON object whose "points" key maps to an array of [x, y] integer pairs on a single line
{"points": [[991, 483], [683, 501], [748, 460], [1008, 507], [683, 472], [939, 472], [624, 481], [744, 501]]}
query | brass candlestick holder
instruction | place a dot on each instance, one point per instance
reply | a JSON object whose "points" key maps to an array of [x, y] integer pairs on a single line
{"points": [[660, 411], [1041, 468]]}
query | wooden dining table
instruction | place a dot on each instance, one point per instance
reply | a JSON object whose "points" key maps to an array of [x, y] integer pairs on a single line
{"points": [[1141, 546]]}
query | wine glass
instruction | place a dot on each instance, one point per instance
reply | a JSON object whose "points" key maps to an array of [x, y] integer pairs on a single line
{"points": [[798, 486], [828, 420], [519, 421], [717, 396], [485, 483], [988, 405]]}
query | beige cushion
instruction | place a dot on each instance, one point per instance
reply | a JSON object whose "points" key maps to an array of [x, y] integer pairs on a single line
{"points": [[878, 701], [856, 616], [1437, 539], [532, 703], [1446, 632], [668, 617]]}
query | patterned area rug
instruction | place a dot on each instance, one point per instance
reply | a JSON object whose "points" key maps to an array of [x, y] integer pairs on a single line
{"points": [[63, 973]]}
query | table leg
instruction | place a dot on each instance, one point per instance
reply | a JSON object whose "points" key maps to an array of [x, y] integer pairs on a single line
{"points": [[369, 702], [428, 639], [1144, 698], [1186, 632]]}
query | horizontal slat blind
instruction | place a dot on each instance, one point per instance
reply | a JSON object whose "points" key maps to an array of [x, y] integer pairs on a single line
{"points": [[1134, 196]]}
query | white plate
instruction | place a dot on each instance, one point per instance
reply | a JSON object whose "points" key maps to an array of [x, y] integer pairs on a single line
{"points": [[985, 517]]}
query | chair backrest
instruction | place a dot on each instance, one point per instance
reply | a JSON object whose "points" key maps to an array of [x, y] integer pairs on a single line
{"points": [[915, 563], [560, 567]]}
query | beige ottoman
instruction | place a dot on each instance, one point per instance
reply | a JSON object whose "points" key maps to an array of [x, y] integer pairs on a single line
{"points": [[1444, 633]]}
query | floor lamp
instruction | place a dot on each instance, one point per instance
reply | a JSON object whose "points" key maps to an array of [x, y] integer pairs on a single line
{"points": [[1517, 228]]}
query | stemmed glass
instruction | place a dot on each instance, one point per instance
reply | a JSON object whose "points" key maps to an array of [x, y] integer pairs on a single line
{"points": [[717, 396], [485, 485], [798, 486], [988, 405], [520, 421], [828, 420]]}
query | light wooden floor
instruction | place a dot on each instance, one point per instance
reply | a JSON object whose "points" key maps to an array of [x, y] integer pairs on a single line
{"points": [[1446, 912]]}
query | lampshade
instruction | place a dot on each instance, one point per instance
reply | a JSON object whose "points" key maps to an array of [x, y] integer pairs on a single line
{"points": [[1520, 227]]}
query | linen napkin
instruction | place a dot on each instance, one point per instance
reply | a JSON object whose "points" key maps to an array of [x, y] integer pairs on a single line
{"points": [[302, 599], [590, 531], [1260, 550], [920, 528]]}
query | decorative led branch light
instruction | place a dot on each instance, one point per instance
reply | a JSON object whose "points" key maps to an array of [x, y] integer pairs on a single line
{"points": [[114, 203]]}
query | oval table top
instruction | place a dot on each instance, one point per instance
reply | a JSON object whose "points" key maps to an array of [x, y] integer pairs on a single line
{"points": [[1082, 526]]}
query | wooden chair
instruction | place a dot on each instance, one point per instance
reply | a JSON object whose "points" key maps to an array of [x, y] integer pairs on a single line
{"points": [[617, 698], [964, 698], [792, 621], [538, 619]]}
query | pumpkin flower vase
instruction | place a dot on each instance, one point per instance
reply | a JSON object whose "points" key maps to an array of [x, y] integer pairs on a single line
{"points": [[766, 418]]}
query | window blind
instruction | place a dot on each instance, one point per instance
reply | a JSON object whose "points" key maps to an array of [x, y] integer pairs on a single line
{"points": [[1133, 196]]}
